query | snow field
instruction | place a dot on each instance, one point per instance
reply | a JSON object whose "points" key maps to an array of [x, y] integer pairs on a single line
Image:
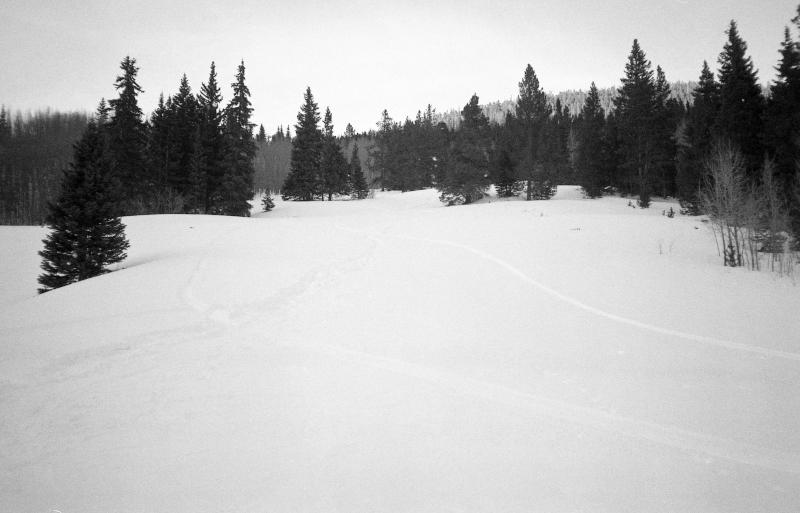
{"points": [[396, 355]]}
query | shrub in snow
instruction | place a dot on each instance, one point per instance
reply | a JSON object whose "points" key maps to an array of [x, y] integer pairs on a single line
{"points": [[748, 220], [267, 202]]}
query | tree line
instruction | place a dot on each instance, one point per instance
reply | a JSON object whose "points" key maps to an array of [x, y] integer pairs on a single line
{"points": [[34, 150], [733, 153]]}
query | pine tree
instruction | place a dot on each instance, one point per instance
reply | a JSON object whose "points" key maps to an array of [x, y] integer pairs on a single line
{"points": [[262, 135], [128, 137], [212, 144], [637, 125], [236, 188], [741, 102], [304, 181], [86, 234], [590, 145], [466, 175], [333, 164], [360, 188]]}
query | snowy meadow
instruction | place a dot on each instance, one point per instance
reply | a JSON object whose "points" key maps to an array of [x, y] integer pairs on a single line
{"points": [[396, 355]]}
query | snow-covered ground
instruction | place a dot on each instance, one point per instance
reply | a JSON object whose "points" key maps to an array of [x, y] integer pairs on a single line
{"points": [[396, 355]]}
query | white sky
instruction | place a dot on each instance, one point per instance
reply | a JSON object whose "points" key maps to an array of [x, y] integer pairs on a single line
{"points": [[360, 57]]}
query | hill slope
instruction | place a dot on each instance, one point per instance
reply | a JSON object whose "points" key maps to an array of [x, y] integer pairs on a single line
{"points": [[396, 355]]}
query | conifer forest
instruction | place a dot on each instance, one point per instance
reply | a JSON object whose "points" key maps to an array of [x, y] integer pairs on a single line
{"points": [[646, 137]]}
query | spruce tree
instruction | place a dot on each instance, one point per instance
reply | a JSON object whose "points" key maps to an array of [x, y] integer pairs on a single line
{"points": [[360, 190], [304, 180], [211, 152], [102, 113], [333, 164], [183, 174], [739, 120], [664, 146], [782, 116], [236, 187], [86, 234], [699, 139], [160, 142], [637, 125], [128, 138], [590, 145], [384, 152]]}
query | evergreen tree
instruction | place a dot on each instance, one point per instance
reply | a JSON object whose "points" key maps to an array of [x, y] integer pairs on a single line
{"points": [[739, 120], [349, 132], [236, 189], [334, 167], [262, 135], [128, 137], [212, 143], [532, 113], [267, 203], [466, 175], [383, 152], [360, 188], [304, 180], [611, 151], [184, 140], [5, 124], [664, 112], [782, 116], [556, 148], [102, 113], [504, 174], [637, 125], [86, 234], [698, 140], [590, 145], [160, 142]]}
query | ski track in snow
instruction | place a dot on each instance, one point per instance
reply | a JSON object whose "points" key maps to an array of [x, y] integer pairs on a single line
{"points": [[728, 344], [527, 403]]}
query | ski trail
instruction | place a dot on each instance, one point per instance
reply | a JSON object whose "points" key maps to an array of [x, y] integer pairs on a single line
{"points": [[728, 344], [527, 403]]}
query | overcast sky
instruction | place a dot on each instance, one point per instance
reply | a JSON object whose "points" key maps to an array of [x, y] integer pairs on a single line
{"points": [[360, 57]]}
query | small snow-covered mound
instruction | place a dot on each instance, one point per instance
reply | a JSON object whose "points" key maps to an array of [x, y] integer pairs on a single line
{"points": [[393, 354]]}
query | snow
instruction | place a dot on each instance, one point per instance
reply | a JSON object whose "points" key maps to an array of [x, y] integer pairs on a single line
{"points": [[396, 355]]}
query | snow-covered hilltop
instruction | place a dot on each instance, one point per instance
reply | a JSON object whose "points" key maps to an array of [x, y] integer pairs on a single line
{"points": [[396, 355]]}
